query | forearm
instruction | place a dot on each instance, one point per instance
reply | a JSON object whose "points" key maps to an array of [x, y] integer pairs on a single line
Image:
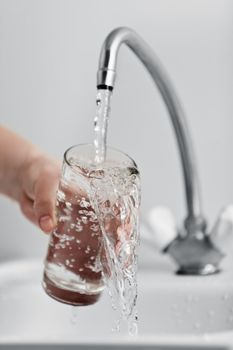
{"points": [[15, 152]]}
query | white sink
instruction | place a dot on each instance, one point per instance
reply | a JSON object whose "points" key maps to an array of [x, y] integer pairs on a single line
{"points": [[174, 312]]}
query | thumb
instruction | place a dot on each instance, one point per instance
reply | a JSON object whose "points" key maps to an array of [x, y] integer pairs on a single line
{"points": [[45, 199]]}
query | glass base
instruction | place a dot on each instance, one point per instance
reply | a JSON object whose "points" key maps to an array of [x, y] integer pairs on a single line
{"points": [[66, 296]]}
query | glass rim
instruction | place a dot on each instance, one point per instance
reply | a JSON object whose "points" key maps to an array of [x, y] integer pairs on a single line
{"points": [[92, 145]]}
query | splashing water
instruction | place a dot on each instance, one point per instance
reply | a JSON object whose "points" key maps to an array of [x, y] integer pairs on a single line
{"points": [[116, 199], [118, 219], [103, 100]]}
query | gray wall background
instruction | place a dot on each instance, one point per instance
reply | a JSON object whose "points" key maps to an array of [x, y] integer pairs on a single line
{"points": [[48, 59]]}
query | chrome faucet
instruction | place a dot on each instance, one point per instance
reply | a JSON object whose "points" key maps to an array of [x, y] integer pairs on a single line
{"points": [[192, 250]]}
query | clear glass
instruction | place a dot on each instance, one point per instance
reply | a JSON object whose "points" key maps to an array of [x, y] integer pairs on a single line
{"points": [[74, 262]]}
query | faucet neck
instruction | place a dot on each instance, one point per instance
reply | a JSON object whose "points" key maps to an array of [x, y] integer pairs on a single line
{"points": [[106, 77]]}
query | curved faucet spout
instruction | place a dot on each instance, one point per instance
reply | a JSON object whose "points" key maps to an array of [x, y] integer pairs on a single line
{"points": [[106, 75], [106, 78]]}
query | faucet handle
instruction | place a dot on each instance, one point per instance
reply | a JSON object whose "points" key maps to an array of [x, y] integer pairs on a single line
{"points": [[162, 225], [221, 234]]}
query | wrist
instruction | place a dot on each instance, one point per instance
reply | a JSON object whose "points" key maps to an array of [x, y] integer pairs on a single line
{"points": [[15, 154]]}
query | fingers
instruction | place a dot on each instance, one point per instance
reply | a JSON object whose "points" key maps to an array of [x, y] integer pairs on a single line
{"points": [[26, 206], [45, 198]]}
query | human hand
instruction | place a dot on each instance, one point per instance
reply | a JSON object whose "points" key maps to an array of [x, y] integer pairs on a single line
{"points": [[30, 177], [38, 182]]}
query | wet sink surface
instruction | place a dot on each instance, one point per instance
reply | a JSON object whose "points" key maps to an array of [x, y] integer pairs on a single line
{"points": [[186, 305], [173, 311]]}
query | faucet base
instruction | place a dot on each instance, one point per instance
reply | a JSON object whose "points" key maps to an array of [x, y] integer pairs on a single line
{"points": [[195, 254], [208, 269]]}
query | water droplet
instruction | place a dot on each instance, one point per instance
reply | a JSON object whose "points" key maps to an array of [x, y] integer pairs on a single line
{"points": [[94, 227], [64, 218], [87, 250], [84, 203], [84, 212], [84, 219], [133, 329], [69, 205], [116, 327], [74, 315]]}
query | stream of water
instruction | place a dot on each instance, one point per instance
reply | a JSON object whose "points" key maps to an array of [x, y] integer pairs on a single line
{"points": [[103, 109], [116, 199]]}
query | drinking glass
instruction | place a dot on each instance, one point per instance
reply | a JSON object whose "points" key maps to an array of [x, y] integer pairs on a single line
{"points": [[86, 206]]}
